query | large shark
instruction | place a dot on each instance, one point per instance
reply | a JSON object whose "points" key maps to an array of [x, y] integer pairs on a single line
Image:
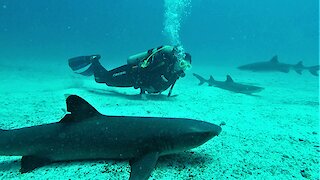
{"points": [[85, 134], [274, 65], [230, 85]]}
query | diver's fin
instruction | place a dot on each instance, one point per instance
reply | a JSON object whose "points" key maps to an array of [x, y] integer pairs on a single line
{"points": [[83, 64], [229, 79], [79, 108], [29, 163], [201, 79], [274, 59], [314, 70], [142, 167]]}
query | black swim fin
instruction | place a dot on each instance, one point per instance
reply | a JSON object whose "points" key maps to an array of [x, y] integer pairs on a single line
{"points": [[83, 64]]}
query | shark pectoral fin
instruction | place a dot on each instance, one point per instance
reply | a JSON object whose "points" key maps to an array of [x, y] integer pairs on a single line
{"points": [[299, 71], [142, 167], [314, 70], [284, 70], [29, 163]]}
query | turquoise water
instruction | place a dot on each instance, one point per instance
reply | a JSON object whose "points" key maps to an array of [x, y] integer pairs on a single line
{"points": [[272, 134], [216, 32]]}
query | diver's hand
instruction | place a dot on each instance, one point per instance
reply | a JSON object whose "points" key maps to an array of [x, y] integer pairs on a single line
{"points": [[143, 94]]}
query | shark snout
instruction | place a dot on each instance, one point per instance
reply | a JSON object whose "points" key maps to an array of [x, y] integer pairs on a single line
{"points": [[210, 130], [215, 130], [197, 133], [207, 132], [252, 90], [258, 89], [244, 67]]}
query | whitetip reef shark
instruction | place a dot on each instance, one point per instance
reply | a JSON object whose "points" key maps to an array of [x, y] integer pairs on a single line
{"points": [[274, 65], [229, 85], [85, 134]]}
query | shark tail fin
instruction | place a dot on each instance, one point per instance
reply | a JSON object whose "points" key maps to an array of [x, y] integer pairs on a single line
{"points": [[299, 67], [200, 78], [314, 70]]}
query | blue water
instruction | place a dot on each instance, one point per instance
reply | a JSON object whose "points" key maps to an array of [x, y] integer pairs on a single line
{"points": [[214, 32], [272, 134]]}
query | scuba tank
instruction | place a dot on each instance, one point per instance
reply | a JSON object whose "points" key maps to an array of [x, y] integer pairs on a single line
{"points": [[135, 59], [145, 57]]}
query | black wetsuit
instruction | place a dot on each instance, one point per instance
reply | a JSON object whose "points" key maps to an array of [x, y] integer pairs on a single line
{"points": [[160, 74], [156, 77]]}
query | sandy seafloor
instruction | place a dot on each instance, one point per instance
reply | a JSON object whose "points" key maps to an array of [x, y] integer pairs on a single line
{"points": [[274, 135]]}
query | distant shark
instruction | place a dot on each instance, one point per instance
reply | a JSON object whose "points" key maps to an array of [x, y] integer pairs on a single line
{"points": [[274, 65], [85, 134], [230, 85]]}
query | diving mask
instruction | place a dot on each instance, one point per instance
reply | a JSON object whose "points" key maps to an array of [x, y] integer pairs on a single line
{"points": [[185, 62], [184, 65]]}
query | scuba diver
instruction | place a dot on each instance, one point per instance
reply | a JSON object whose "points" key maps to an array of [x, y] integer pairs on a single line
{"points": [[153, 71]]}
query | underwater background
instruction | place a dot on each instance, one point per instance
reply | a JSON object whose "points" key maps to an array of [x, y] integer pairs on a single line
{"points": [[214, 32], [273, 134]]}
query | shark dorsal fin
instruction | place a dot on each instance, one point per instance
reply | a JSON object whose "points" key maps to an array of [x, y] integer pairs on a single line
{"points": [[229, 79], [79, 109], [299, 64], [211, 79], [274, 59]]}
